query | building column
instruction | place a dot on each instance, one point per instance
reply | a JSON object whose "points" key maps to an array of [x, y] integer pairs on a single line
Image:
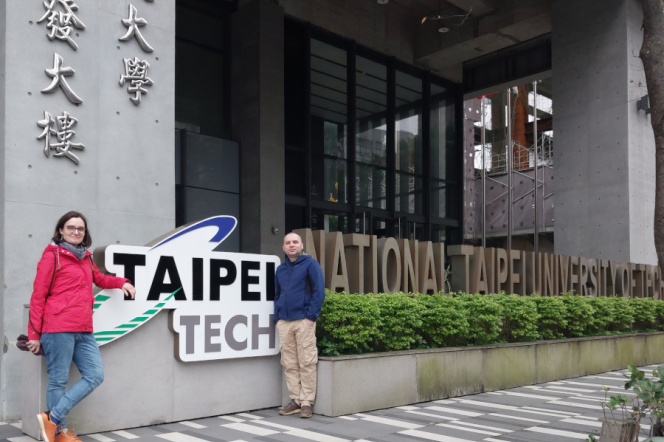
{"points": [[258, 122], [604, 154], [88, 142]]}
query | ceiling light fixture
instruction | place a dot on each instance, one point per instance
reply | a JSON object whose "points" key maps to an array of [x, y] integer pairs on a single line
{"points": [[443, 29], [383, 2]]}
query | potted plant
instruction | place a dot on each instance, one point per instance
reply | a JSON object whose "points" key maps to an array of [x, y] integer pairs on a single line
{"points": [[623, 414]]}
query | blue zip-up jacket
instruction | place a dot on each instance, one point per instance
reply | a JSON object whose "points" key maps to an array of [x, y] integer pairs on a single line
{"points": [[299, 289]]}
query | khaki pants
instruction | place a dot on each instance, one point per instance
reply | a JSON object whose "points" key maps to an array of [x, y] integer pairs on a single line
{"points": [[299, 356]]}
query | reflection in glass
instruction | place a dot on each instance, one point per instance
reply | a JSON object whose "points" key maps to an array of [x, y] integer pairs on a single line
{"points": [[371, 189], [329, 129], [437, 198], [408, 125], [438, 233], [441, 144], [335, 180], [330, 222], [408, 144], [408, 193], [371, 130]]}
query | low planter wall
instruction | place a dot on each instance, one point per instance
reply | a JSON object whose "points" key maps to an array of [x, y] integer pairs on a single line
{"points": [[353, 384]]}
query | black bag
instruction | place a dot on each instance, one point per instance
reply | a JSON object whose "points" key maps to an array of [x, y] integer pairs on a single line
{"points": [[22, 344]]}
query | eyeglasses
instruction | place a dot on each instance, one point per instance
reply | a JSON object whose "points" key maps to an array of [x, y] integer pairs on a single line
{"points": [[72, 229]]}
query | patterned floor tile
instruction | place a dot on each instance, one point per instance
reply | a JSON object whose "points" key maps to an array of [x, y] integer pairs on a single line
{"points": [[560, 411]]}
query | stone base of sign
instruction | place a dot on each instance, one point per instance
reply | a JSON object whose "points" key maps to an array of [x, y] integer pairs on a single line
{"points": [[353, 384], [145, 385]]}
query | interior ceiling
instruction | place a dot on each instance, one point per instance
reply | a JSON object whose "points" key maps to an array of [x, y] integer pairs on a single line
{"points": [[474, 28]]}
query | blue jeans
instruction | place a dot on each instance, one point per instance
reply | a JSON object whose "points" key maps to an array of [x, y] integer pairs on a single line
{"points": [[60, 350]]}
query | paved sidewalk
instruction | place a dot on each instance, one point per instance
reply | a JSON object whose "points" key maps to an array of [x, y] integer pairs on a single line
{"points": [[558, 411]]}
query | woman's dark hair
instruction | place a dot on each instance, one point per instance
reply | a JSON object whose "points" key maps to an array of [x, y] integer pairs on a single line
{"points": [[87, 239]]}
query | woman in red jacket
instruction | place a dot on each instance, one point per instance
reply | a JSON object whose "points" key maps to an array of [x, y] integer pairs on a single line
{"points": [[61, 321]]}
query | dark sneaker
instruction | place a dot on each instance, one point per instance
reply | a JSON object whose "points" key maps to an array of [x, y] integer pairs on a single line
{"points": [[48, 428], [291, 408], [306, 411]]}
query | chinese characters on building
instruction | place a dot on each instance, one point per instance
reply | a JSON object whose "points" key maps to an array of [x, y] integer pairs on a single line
{"points": [[62, 23], [136, 71], [57, 135], [58, 74], [61, 20]]}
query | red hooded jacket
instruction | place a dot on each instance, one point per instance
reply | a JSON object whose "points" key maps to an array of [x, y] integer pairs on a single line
{"points": [[68, 307]]}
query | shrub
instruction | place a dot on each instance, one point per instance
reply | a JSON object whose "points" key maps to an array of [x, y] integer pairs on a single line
{"points": [[624, 315], [348, 324], [605, 318], [444, 324], [552, 317], [659, 315], [644, 316], [579, 313], [401, 317], [355, 324], [520, 318], [485, 318]]}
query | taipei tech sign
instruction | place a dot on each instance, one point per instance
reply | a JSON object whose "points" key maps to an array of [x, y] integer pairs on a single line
{"points": [[221, 304]]}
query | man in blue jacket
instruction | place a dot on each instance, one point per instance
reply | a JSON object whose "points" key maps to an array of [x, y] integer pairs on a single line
{"points": [[299, 295]]}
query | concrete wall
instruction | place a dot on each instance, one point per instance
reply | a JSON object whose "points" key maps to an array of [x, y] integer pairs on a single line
{"points": [[353, 384], [3, 366], [145, 385], [124, 183], [604, 154]]}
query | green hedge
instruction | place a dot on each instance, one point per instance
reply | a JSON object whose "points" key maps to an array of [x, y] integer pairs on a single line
{"points": [[356, 324]]}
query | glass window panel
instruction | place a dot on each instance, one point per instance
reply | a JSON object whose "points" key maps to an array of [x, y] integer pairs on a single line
{"points": [[325, 70], [370, 108], [408, 148], [332, 53], [199, 91], [334, 140], [200, 27], [409, 229], [329, 221], [443, 135], [329, 107], [336, 177], [438, 198], [370, 186], [408, 124], [212, 163], [438, 233], [370, 143], [329, 93], [328, 127], [371, 89], [408, 193], [408, 88], [437, 89]]}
